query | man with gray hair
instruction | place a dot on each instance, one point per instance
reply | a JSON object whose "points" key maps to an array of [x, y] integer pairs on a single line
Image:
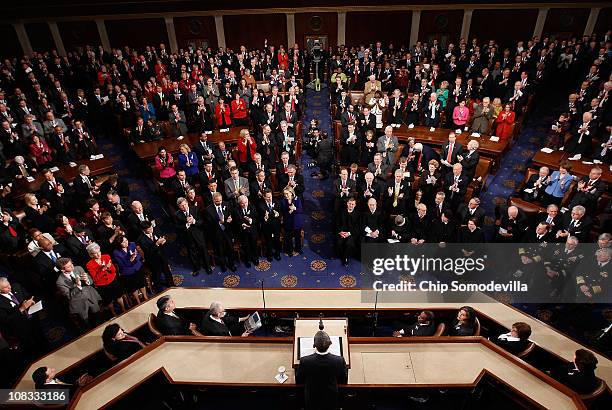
{"points": [[77, 286], [576, 223], [321, 373], [216, 322], [190, 223], [592, 280], [14, 318]]}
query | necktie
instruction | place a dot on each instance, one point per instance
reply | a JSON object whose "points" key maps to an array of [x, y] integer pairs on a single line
{"points": [[53, 256], [449, 156], [549, 219], [12, 231], [14, 298]]}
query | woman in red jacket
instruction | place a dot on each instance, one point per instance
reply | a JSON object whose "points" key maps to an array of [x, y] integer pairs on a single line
{"points": [[283, 59], [222, 114], [239, 111], [104, 274], [40, 150], [247, 146], [505, 121]]}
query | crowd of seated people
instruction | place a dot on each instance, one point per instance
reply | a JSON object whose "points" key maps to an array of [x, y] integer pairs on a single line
{"points": [[93, 244]]}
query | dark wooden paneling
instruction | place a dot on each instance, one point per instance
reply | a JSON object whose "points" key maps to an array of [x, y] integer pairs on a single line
{"points": [[604, 21], [194, 30], [365, 27], [566, 22], [445, 25], [46, 8], [40, 36], [136, 33], [505, 26], [251, 30], [78, 33], [10, 43], [304, 27]]}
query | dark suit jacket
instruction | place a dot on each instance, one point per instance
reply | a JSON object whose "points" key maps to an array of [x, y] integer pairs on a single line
{"points": [[283, 180], [457, 149], [417, 329], [581, 230], [211, 327], [321, 375], [463, 214], [12, 321], [169, 325]]}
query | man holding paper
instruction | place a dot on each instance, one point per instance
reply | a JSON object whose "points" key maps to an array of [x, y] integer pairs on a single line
{"points": [[14, 317]]}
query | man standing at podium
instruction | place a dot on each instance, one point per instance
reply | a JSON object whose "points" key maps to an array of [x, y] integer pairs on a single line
{"points": [[321, 373]]}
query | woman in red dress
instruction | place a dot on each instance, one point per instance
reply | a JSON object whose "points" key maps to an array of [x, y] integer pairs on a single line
{"points": [[246, 147], [239, 111], [504, 122], [104, 274], [40, 150], [222, 114], [283, 59]]}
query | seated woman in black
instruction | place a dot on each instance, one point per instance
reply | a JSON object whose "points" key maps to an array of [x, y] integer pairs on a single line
{"points": [[465, 324], [516, 340], [424, 326], [118, 343], [580, 374]]}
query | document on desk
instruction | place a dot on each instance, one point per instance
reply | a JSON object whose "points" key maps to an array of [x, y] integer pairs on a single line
{"points": [[305, 346]]}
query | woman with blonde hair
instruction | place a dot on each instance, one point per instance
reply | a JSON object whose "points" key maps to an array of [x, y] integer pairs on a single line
{"points": [[104, 274], [442, 93], [188, 161], [497, 107], [293, 222]]}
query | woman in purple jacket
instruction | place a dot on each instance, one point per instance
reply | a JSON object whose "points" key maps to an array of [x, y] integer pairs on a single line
{"points": [[128, 260], [293, 222]]}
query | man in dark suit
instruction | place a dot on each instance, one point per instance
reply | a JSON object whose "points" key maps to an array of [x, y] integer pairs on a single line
{"points": [[84, 186], [575, 223], [14, 304], [469, 160], [450, 152], [220, 219], [180, 185], [54, 190], [536, 185], [424, 326], [291, 179], [589, 190], [152, 245], [455, 186], [469, 211], [216, 322], [270, 217], [45, 261], [344, 188], [321, 373], [190, 225], [366, 121], [259, 186], [580, 141], [246, 223], [169, 323]]}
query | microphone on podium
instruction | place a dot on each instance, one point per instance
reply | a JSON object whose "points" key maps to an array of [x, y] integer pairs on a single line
{"points": [[321, 326]]}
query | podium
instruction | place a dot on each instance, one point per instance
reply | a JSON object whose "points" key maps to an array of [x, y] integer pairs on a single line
{"points": [[308, 327]]}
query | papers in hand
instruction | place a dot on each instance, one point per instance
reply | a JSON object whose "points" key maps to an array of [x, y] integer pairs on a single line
{"points": [[494, 138], [547, 150], [253, 322], [475, 135], [35, 307], [502, 230], [281, 377]]}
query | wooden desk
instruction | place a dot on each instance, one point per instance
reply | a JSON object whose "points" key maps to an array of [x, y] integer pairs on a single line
{"points": [[552, 160], [148, 150], [97, 167], [305, 299], [414, 362], [439, 138]]}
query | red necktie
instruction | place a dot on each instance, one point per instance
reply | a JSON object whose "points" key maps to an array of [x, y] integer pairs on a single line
{"points": [[449, 156], [12, 231]]}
